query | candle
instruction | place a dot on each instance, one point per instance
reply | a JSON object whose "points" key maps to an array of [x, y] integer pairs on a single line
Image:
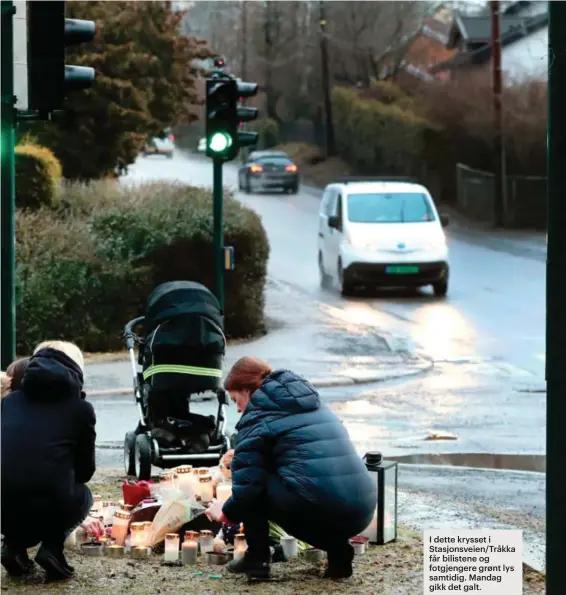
{"points": [[120, 526], [240, 546], [96, 501], [206, 541], [147, 533], [106, 542], [114, 551], [140, 552], [185, 482], [138, 533], [167, 484], [189, 553], [171, 547], [223, 491], [206, 489], [107, 513]]}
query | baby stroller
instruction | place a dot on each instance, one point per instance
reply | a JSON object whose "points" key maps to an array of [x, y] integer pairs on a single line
{"points": [[180, 354]]}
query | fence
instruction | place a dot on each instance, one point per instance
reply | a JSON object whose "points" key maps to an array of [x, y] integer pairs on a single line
{"points": [[525, 201]]}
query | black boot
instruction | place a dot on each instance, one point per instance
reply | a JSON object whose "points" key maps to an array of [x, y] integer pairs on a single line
{"points": [[16, 562], [340, 563], [253, 567], [54, 564]]}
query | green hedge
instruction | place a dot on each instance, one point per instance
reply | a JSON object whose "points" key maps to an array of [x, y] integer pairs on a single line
{"points": [[38, 173], [377, 137], [85, 275]]}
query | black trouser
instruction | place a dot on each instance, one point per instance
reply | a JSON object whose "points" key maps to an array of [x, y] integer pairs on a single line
{"points": [[26, 524], [319, 528]]}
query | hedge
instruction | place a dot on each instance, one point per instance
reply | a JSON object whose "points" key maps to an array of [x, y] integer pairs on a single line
{"points": [[38, 173], [85, 275], [377, 137]]}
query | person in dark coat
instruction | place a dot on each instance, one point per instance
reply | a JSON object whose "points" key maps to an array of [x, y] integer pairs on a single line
{"points": [[48, 436], [294, 464]]}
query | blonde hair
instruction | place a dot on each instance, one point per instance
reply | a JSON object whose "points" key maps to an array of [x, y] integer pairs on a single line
{"points": [[69, 349]]}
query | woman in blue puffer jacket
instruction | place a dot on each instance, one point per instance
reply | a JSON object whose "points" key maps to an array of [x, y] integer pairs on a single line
{"points": [[295, 465]]}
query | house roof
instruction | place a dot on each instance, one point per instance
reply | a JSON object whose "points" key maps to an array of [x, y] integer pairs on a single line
{"points": [[512, 29], [477, 29]]}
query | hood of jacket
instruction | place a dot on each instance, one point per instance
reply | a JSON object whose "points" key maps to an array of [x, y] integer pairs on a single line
{"points": [[284, 392], [52, 375]]}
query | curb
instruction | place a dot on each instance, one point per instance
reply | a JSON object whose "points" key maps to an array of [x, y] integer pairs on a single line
{"points": [[325, 382]]}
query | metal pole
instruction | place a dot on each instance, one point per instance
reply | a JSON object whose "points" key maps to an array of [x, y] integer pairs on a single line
{"points": [[244, 23], [326, 82], [555, 301], [218, 230], [499, 206], [7, 192]]}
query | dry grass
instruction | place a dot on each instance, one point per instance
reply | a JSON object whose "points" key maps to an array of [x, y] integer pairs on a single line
{"points": [[395, 569]]}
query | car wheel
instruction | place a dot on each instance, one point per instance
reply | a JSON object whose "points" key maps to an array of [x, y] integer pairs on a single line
{"points": [[130, 453], [170, 155], [441, 288], [293, 189], [248, 186], [240, 185], [346, 288], [144, 457], [325, 280]]}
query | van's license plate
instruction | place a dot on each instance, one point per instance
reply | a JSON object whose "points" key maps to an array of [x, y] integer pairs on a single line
{"points": [[401, 270]]}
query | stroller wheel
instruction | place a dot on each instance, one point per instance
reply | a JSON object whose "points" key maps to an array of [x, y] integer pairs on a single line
{"points": [[130, 453], [143, 457]]}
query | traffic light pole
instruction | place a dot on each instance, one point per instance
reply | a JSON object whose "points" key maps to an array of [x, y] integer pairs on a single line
{"points": [[555, 300], [7, 192], [218, 230]]}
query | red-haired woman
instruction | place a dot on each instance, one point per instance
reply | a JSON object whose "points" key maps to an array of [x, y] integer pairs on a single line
{"points": [[294, 464]]}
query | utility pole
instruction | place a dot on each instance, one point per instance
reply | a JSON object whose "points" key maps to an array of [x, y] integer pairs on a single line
{"points": [[244, 41], [499, 145], [555, 300], [8, 198], [326, 81]]}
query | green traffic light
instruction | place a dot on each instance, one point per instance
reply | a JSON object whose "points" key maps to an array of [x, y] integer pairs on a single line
{"points": [[220, 142]]}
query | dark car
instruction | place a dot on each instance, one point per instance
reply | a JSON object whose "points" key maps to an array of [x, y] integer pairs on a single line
{"points": [[267, 170]]}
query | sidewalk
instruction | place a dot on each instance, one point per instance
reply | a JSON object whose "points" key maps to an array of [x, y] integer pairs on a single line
{"points": [[303, 338]]}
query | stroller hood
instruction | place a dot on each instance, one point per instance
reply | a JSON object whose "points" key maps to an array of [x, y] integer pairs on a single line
{"points": [[180, 298]]}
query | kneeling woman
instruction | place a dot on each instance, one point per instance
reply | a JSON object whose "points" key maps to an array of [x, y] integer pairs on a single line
{"points": [[295, 465]]}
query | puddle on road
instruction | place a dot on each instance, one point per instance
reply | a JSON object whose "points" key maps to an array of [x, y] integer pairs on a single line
{"points": [[485, 461]]}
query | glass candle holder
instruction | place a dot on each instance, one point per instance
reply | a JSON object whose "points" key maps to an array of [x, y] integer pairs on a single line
{"points": [[223, 491], [147, 525], [120, 526], [106, 542], [189, 553], [137, 531], [206, 488], [171, 547], [184, 479], [114, 551], [96, 501], [192, 536], [240, 546], [206, 541]]}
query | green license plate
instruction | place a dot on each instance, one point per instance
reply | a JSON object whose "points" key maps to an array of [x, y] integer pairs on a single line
{"points": [[401, 270]]}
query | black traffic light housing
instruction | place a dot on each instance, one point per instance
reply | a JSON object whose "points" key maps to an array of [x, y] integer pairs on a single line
{"points": [[246, 114], [225, 115], [49, 32]]}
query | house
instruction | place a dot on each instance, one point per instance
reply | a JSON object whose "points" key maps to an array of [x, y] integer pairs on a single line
{"points": [[524, 43]]}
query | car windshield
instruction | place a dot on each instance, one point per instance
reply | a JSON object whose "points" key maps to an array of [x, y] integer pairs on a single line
{"points": [[398, 207]]}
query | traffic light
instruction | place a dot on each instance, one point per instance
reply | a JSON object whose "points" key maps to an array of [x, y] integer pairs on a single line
{"points": [[221, 118], [49, 33], [246, 114]]}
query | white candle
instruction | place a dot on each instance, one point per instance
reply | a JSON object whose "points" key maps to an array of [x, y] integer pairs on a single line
{"points": [[167, 482], [138, 533], [147, 533], [171, 547], [184, 480], [120, 527], [206, 488], [240, 546], [223, 491], [189, 552], [206, 541]]}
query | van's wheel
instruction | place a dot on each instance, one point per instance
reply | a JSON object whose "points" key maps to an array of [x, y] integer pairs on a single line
{"points": [[325, 280], [440, 289], [130, 453], [144, 456], [346, 287]]}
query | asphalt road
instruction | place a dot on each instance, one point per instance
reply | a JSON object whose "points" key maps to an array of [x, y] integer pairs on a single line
{"points": [[494, 313], [485, 395]]}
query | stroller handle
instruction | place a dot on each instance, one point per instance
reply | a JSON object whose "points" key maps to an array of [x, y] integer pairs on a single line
{"points": [[129, 334]]}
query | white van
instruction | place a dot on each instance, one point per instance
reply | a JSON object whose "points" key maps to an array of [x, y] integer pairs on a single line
{"points": [[382, 233]]}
